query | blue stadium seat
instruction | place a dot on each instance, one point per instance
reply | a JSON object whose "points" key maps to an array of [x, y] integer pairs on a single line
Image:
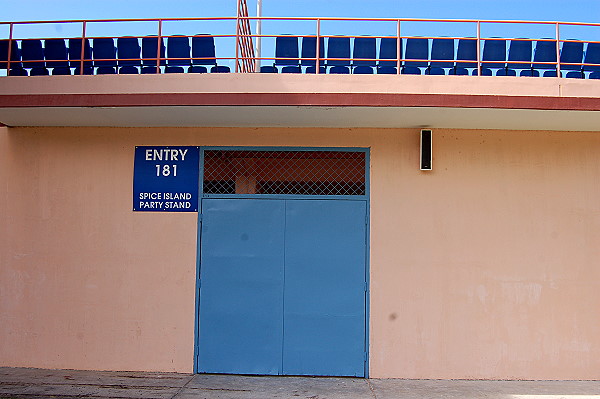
{"points": [[178, 47], [128, 51], [55, 51], [550, 74], [387, 70], [268, 69], [203, 47], [149, 70], [545, 51], [506, 72], [572, 52], [87, 70], [105, 70], [411, 70], [174, 69], [466, 56], [309, 50], [459, 71], [442, 55], [33, 52], [435, 71], [595, 75], [128, 70], [197, 69], [363, 70], [365, 52], [494, 50], [286, 50], [104, 49], [338, 47], [339, 70], [575, 75], [15, 54], [75, 53], [220, 69], [39, 71], [17, 71], [313, 69], [519, 56], [388, 50], [416, 49], [150, 51], [61, 71], [291, 69], [530, 73], [592, 57]]}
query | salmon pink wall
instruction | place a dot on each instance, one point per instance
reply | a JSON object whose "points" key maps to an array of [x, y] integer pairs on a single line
{"points": [[486, 267]]}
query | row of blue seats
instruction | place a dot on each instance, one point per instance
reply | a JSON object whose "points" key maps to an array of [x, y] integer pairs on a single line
{"points": [[102, 56], [362, 70], [126, 70], [442, 57]]}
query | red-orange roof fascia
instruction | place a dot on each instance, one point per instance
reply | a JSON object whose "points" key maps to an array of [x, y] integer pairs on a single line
{"points": [[302, 99]]}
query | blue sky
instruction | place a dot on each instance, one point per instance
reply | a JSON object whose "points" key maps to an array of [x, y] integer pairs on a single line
{"points": [[574, 10], [546, 10]]}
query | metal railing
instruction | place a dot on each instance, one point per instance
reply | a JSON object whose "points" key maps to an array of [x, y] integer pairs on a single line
{"points": [[246, 61], [245, 58]]}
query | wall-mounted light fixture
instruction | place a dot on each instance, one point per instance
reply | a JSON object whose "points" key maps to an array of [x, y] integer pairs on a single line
{"points": [[426, 150]]}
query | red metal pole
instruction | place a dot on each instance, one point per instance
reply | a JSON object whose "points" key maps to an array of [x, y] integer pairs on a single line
{"points": [[318, 48], [398, 49], [243, 50], [82, 48], [10, 41], [478, 48], [237, 37], [246, 42], [249, 44], [557, 50], [158, 46]]}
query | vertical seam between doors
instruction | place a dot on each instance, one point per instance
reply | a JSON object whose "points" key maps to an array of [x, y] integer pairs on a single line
{"points": [[367, 362], [283, 288]]}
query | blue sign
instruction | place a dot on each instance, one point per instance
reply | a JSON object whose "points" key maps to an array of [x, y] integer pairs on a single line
{"points": [[165, 179]]}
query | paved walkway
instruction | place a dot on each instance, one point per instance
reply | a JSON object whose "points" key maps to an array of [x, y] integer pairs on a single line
{"points": [[67, 384]]}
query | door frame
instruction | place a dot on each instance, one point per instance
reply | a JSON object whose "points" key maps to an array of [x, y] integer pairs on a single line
{"points": [[366, 198]]}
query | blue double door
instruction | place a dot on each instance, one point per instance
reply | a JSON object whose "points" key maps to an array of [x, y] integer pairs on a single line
{"points": [[282, 287]]}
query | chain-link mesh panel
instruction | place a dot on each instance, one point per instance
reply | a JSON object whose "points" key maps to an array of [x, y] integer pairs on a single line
{"points": [[284, 172]]}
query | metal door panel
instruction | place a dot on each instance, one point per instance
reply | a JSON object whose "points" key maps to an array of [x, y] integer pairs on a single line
{"points": [[241, 293], [324, 312]]}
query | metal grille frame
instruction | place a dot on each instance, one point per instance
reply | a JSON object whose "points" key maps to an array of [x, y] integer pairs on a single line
{"points": [[208, 190]]}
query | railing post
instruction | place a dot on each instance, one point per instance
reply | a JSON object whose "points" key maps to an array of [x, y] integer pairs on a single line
{"points": [[478, 48], [158, 46], [258, 60], [82, 47], [237, 37], [398, 49], [249, 42], [243, 38], [318, 49], [10, 40], [558, 50]]}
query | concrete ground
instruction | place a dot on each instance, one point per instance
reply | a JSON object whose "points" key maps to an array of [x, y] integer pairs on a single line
{"points": [[67, 384]]}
